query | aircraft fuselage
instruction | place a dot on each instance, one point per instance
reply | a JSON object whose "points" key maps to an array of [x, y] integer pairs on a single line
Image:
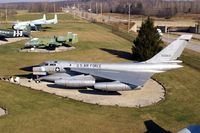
{"points": [[62, 66]]}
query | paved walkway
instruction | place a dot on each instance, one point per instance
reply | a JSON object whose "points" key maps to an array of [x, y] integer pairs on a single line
{"points": [[150, 94]]}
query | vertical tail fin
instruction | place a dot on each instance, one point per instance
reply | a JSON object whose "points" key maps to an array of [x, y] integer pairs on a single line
{"points": [[44, 17], [55, 19], [172, 51]]}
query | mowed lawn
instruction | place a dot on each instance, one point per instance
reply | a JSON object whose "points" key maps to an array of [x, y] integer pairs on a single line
{"points": [[36, 111]]}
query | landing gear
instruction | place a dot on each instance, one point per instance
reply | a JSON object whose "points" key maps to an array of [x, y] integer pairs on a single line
{"points": [[37, 79], [37, 28], [51, 47]]}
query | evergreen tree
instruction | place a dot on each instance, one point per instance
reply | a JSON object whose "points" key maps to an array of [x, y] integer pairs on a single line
{"points": [[147, 44]]}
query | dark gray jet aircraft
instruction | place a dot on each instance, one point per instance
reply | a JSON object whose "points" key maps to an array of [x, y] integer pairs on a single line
{"points": [[113, 76], [5, 33]]}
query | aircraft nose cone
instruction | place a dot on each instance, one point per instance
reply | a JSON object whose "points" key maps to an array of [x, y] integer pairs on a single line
{"points": [[28, 68]]}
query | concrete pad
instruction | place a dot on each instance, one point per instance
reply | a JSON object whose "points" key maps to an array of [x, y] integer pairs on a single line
{"points": [[150, 94], [2, 112], [37, 50], [11, 40]]}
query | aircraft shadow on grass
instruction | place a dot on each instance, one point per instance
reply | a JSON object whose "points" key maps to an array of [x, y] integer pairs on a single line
{"points": [[61, 87], [152, 127], [100, 92], [3, 39], [28, 76], [46, 28], [119, 53]]}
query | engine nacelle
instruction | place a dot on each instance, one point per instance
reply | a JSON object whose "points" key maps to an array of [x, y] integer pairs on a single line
{"points": [[56, 76], [75, 83], [114, 86]]}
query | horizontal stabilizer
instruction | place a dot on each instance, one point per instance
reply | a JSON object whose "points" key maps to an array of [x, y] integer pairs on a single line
{"points": [[173, 61], [55, 19], [44, 17], [185, 37]]}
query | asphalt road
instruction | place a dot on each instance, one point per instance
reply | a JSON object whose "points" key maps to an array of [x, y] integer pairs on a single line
{"points": [[192, 46]]}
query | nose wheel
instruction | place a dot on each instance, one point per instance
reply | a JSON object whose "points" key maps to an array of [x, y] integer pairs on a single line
{"points": [[37, 79]]}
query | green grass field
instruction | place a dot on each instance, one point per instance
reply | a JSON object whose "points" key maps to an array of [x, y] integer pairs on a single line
{"points": [[35, 111]]}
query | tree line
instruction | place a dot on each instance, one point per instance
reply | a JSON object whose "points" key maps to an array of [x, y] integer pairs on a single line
{"points": [[160, 8]]}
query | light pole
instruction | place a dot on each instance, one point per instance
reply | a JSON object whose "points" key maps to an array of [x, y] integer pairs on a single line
{"points": [[129, 17], [74, 8], [96, 8], [54, 7], [6, 13], [101, 13]]}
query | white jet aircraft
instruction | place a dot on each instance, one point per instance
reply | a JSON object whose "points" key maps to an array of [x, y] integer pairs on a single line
{"points": [[52, 21], [35, 24], [112, 76]]}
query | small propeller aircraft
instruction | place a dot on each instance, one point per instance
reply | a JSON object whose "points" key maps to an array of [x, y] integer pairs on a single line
{"points": [[7, 33]]}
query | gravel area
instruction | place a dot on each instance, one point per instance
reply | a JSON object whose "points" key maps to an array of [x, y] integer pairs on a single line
{"points": [[150, 94]]}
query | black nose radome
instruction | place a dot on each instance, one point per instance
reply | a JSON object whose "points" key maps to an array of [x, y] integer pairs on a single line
{"points": [[28, 68]]}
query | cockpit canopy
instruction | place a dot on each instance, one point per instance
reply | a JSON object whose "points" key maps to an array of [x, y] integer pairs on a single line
{"points": [[49, 63]]}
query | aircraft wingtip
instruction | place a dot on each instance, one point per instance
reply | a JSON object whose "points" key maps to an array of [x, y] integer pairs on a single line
{"points": [[185, 37]]}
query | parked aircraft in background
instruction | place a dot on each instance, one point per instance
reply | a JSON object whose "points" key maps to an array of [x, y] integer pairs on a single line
{"points": [[22, 25], [112, 77], [160, 32], [52, 42], [52, 21], [35, 24], [4, 33]]}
